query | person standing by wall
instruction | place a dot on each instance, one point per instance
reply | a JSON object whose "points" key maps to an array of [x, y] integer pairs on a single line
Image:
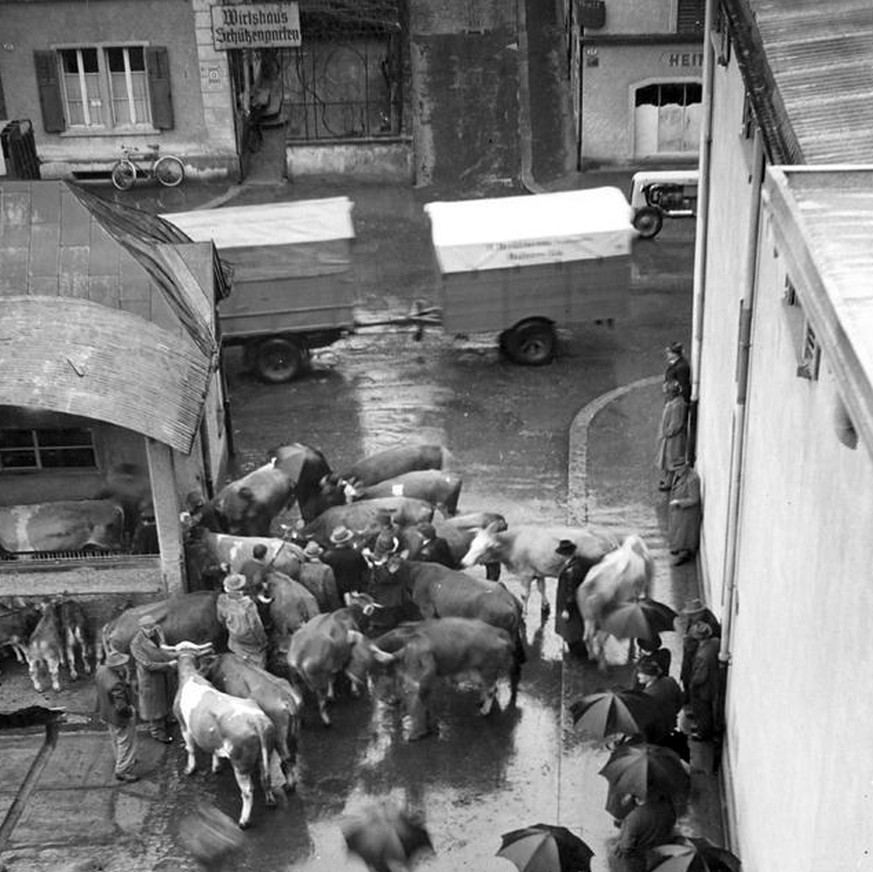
{"points": [[665, 692], [694, 611], [155, 676], [671, 435], [678, 369], [115, 708], [684, 513], [704, 684], [246, 636]]}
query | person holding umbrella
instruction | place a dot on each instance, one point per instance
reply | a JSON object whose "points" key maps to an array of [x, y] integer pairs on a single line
{"points": [[649, 824]]}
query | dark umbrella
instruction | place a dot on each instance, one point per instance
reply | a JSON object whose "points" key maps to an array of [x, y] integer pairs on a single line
{"points": [[614, 711], [638, 619], [384, 834], [643, 770], [545, 848], [694, 855]]}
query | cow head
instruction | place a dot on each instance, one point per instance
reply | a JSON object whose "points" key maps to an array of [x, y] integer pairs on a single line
{"points": [[485, 547], [361, 602]]}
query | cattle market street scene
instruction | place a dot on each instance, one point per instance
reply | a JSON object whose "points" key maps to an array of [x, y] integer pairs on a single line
{"points": [[430, 432]]}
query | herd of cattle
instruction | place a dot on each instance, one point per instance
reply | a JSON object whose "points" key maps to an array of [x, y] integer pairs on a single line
{"points": [[466, 628]]}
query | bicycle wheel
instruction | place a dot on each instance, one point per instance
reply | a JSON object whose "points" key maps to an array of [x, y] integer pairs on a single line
{"points": [[123, 174], [169, 171]]}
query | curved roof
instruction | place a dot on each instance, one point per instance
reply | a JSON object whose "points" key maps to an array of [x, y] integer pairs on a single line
{"points": [[72, 355]]}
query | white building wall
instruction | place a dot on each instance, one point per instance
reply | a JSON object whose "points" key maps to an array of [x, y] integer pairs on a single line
{"points": [[799, 706], [729, 217]]}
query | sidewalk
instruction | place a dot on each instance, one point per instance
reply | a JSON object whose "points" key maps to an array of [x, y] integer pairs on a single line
{"points": [[613, 485]]}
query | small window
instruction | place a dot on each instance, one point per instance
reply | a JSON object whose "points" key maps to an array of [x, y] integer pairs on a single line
{"points": [[810, 355], [720, 37], [747, 129], [690, 15], [71, 448]]}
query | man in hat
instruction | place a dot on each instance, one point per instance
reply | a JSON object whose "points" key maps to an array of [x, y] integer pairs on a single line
{"points": [[568, 621], [704, 683], [433, 548], [667, 696], [348, 564], [671, 434], [694, 610], [318, 578], [155, 675], [115, 708], [684, 513], [245, 633], [678, 369], [386, 587]]}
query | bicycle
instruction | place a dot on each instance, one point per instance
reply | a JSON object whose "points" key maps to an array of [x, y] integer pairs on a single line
{"points": [[167, 169]]}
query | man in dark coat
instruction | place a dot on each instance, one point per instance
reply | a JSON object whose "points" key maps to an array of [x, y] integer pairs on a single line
{"points": [[318, 578], [155, 676], [665, 692], [568, 621], [694, 610], [704, 684], [115, 708], [348, 564], [678, 369], [434, 549], [671, 434], [648, 825]]}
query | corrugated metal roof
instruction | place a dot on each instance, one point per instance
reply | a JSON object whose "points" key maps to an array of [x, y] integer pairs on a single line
{"points": [[827, 219], [75, 356], [60, 246], [812, 62]]}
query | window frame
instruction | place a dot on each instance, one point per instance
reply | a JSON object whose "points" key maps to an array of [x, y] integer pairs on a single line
{"points": [[40, 448], [806, 345], [108, 125]]}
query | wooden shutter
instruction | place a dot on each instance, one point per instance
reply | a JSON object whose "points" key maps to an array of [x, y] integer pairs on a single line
{"points": [[690, 15], [158, 65], [48, 83]]}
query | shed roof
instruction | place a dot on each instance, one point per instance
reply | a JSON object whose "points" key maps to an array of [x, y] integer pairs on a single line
{"points": [[824, 221], [102, 317], [808, 67]]}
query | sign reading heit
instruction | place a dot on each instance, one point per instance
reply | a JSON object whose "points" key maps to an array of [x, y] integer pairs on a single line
{"points": [[262, 25]]}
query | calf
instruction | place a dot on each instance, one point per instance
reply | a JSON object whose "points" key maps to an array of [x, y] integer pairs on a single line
{"points": [[441, 489], [17, 623], [458, 649], [326, 646], [398, 460], [225, 726], [279, 701], [45, 649], [75, 635]]}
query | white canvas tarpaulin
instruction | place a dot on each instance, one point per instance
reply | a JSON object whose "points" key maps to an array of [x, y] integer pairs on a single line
{"points": [[276, 240], [504, 232]]}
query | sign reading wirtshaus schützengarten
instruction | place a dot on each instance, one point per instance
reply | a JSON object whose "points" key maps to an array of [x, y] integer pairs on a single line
{"points": [[263, 25]]}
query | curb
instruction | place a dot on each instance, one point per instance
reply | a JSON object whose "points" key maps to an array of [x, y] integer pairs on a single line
{"points": [[577, 460]]}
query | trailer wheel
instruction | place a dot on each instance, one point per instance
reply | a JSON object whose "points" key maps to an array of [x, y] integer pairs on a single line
{"points": [[530, 343], [648, 221], [279, 359]]}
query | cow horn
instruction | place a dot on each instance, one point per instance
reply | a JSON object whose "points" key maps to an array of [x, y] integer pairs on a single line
{"points": [[382, 656], [355, 636]]}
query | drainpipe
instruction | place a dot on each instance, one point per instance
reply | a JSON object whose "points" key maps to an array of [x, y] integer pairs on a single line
{"points": [[747, 306], [702, 225]]}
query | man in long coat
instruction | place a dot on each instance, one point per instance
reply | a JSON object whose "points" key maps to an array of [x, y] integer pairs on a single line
{"points": [[568, 621], [115, 708], [246, 636], [671, 435], [684, 517], [318, 578], [348, 564], [155, 676], [705, 683]]}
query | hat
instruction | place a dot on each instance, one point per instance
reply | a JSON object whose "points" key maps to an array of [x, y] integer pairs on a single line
{"points": [[341, 535], [427, 530], [675, 347], [648, 666], [700, 630], [116, 658], [566, 547], [147, 621], [312, 549], [234, 582], [693, 607]]}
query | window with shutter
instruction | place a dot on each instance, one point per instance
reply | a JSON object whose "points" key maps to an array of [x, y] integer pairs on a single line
{"points": [[48, 83], [690, 16], [158, 65]]}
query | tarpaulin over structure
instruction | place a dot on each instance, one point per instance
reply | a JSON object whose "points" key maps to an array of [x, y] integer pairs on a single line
{"points": [[505, 232]]}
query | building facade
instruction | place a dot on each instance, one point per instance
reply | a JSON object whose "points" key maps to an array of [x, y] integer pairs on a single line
{"points": [[783, 384], [636, 78]]}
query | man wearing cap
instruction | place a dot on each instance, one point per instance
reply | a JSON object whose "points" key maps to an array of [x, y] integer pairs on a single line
{"points": [[348, 564], [568, 621], [665, 694], [678, 369], [245, 633], [155, 676], [115, 707], [433, 548], [318, 578]]}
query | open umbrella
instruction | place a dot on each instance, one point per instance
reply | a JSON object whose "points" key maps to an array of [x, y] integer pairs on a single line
{"points": [[384, 835], [614, 711], [694, 855], [546, 848], [638, 619], [643, 770]]}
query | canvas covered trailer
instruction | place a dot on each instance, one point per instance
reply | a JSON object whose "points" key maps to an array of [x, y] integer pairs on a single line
{"points": [[291, 282], [522, 265]]}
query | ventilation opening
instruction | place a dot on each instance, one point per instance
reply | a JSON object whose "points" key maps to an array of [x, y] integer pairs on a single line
{"points": [[846, 432], [92, 176]]}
